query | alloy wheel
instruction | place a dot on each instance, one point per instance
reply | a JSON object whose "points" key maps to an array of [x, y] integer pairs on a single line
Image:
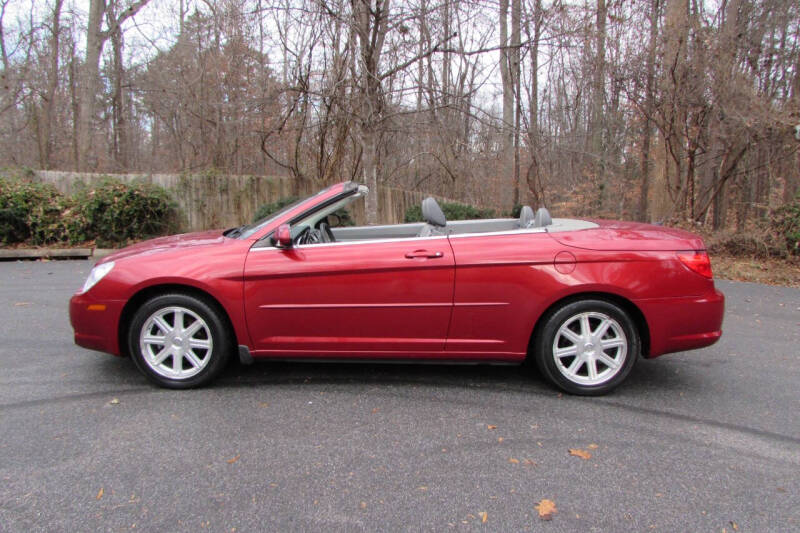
{"points": [[176, 342], [590, 348]]}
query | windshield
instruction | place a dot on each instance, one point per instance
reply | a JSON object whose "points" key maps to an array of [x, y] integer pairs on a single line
{"points": [[245, 231]]}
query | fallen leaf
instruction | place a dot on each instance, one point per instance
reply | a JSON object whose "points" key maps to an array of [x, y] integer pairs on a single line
{"points": [[528, 462], [577, 452], [375, 410], [20, 304], [484, 516], [114, 401], [734, 525], [593, 446], [490, 426], [514, 461], [363, 505], [499, 439], [233, 460], [99, 493], [546, 508], [263, 404], [423, 487]]}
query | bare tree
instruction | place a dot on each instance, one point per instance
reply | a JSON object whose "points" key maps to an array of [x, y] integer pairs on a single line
{"points": [[96, 38]]}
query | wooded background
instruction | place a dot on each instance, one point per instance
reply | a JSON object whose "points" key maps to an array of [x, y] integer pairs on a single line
{"points": [[677, 110]]}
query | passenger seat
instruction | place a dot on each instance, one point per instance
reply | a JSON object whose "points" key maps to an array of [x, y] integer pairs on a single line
{"points": [[434, 217]]}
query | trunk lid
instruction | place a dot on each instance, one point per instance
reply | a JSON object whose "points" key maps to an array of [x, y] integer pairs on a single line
{"points": [[613, 235]]}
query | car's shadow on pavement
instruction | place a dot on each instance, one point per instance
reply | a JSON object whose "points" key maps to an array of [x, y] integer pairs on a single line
{"points": [[647, 376]]}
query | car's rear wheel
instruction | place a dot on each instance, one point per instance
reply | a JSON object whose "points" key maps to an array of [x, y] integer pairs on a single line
{"points": [[179, 341], [587, 347]]}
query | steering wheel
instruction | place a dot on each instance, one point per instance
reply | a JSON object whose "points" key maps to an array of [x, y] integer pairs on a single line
{"points": [[310, 236]]}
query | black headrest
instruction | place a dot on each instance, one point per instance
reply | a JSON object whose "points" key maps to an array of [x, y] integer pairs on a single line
{"points": [[432, 213]]}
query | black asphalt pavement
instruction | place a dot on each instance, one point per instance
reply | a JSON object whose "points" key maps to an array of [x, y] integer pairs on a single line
{"points": [[699, 441]]}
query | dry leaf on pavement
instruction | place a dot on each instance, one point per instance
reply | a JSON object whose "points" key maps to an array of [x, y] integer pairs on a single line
{"points": [[99, 493], [546, 508], [484, 516], [577, 452], [233, 460]]}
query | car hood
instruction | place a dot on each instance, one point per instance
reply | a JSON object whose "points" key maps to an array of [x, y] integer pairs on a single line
{"points": [[612, 235], [160, 244]]}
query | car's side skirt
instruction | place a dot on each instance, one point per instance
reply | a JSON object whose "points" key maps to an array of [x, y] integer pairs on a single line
{"points": [[432, 357]]}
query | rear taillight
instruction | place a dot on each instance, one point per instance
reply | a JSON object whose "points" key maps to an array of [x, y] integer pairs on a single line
{"points": [[697, 261]]}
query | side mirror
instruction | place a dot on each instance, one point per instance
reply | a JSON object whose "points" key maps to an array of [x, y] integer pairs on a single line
{"points": [[283, 236]]}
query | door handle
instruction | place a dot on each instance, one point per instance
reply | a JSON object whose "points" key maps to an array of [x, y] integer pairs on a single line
{"points": [[423, 254]]}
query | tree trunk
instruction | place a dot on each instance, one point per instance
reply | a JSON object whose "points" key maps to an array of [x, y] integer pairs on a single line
{"points": [[516, 17], [598, 91], [676, 36], [120, 127], [48, 104], [369, 161], [533, 179], [507, 129], [649, 109], [90, 82]]}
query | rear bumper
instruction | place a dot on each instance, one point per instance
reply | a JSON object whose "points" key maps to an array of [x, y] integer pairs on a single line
{"points": [[96, 323], [679, 324]]}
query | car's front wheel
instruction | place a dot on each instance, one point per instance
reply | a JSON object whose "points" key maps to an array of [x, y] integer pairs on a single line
{"points": [[179, 341], [587, 347]]}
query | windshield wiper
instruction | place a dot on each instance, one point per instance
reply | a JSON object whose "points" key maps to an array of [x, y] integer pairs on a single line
{"points": [[234, 232]]}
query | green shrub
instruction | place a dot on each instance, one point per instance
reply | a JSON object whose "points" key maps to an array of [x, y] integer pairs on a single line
{"points": [[344, 216], [452, 211], [112, 213], [115, 212], [31, 212], [13, 226], [786, 222]]}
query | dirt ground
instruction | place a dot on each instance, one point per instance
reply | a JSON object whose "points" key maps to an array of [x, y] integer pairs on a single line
{"points": [[758, 270]]}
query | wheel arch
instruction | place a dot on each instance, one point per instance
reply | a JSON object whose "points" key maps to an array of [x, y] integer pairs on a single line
{"points": [[146, 293], [631, 308]]}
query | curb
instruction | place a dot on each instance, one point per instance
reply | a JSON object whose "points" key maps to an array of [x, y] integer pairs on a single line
{"points": [[15, 254]]}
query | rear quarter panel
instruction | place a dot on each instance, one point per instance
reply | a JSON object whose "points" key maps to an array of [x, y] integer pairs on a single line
{"points": [[504, 283]]}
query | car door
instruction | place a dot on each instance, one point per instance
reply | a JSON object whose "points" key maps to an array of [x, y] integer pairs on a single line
{"points": [[360, 298]]}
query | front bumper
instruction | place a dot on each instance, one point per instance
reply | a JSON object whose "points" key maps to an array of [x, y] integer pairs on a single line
{"points": [[96, 322], [679, 324]]}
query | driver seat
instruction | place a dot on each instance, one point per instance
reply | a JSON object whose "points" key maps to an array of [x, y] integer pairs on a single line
{"points": [[434, 217]]}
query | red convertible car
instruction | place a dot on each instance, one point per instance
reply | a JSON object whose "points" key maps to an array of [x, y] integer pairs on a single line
{"points": [[582, 299]]}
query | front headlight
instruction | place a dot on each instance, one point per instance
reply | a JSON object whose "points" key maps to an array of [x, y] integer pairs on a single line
{"points": [[97, 273]]}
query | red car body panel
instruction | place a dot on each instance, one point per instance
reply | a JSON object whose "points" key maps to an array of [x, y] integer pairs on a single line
{"points": [[346, 299], [457, 297]]}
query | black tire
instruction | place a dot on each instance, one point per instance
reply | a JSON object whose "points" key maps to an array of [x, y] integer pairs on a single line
{"points": [[212, 329], [572, 373]]}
